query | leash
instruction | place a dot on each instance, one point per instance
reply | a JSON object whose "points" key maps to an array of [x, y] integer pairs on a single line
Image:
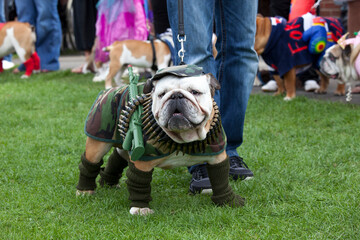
{"points": [[181, 37], [153, 66]]}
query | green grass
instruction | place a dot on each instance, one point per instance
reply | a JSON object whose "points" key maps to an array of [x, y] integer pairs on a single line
{"points": [[304, 153]]}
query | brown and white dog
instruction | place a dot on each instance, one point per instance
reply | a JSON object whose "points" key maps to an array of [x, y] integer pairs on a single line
{"points": [[20, 38], [154, 54], [269, 44], [180, 116], [337, 64]]}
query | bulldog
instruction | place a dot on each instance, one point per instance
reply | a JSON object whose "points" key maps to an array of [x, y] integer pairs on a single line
{"points": [[154, 54], [339, 62], [181, 126], [282, 47], [20, 38]]}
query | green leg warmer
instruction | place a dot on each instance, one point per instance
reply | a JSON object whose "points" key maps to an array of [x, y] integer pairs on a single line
{"points": [[88, 174], [111, 174], [139, 186], [222, 191]]}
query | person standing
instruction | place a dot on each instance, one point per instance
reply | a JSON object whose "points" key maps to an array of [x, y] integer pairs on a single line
{"points": [[235, 67], [43, 14]]}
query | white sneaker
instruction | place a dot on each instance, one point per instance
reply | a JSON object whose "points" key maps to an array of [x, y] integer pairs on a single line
{"points": [[311, 85], [270, 86], [7, 65]]}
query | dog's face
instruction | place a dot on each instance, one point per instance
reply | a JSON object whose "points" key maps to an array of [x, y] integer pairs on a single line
{"points": [[183, 107], [335, 62]]}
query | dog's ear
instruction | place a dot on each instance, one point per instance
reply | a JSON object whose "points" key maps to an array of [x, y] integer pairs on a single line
{"points": [[214, 83], [148, 86], [347, 51]]}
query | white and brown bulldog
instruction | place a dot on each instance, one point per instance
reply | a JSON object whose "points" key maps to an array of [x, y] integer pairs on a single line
{"points": [[154, 54], [181, 126], [20, 38], [339, 63], [281, 45]]}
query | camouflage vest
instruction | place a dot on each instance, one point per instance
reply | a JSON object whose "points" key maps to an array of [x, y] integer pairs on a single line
{"points": [[102, 124]]}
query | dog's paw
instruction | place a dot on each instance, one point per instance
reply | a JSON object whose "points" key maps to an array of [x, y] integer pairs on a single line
{"points": [[85, 193], [339, 94], [320, 91], [141, 211], [24, 76], [288, 98]]}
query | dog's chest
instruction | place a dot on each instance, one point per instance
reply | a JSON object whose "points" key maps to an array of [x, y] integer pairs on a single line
{"points": [[180, 160]]}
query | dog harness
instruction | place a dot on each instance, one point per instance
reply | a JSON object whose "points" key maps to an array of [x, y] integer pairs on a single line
{"points": [[109, 116]]}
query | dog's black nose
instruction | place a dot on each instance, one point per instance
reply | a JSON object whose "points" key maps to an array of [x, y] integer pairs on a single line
{"points": [[177, 95]]}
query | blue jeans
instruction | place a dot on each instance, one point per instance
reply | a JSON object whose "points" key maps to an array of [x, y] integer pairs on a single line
{"points": [[43, 14], [236, 63]]}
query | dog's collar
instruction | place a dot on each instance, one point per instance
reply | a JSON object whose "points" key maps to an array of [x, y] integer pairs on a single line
{"points": [[154, 135]]}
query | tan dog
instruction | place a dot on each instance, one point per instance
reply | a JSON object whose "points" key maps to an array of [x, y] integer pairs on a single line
{"points": [[139, 54], [181, 127], [20, 38], [269, 44], [337, 63]]}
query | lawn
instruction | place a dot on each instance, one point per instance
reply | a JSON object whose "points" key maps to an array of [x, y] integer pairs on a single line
{"points": [[304, 154]]}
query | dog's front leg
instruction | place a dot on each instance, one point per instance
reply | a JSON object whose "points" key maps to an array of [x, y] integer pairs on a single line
{"points": [[89, 167], [324, 83], [139, 187], [219, 179]]}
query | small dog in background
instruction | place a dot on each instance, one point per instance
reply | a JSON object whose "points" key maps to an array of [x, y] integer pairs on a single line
{"points": [[340, 62], [20, 38], [154, 54]]}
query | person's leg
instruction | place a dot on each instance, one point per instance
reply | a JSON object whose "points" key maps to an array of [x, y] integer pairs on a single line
{"points": [[198, 24], [237, 64], [48, 34], [26, 12]]}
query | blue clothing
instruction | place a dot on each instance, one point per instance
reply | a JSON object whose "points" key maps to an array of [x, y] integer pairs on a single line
{"points": [[2, 12], [285, 48], [236, 63], [43, 14]]}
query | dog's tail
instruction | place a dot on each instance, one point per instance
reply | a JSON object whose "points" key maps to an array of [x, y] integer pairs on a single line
{"points": [[107, 49]]}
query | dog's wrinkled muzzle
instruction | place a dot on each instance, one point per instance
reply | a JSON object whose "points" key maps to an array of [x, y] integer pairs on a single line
{"points": [[177, 112], [329, 69]]}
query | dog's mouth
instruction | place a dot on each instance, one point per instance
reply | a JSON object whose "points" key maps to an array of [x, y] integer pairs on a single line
{"points": [[178, 122]]}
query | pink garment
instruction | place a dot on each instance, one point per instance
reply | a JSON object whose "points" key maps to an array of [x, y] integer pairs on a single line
{"points": [[118, 20]]}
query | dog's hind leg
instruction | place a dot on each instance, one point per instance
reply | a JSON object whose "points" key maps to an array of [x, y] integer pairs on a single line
{"points": [[290, 84], [118, 76], [280, 85], [111, 174], [114, 67], [90, 164]]}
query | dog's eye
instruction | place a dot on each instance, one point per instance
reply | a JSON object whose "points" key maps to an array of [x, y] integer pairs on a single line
{"points": [[332, 57], [161, 94], [194, 92]]}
